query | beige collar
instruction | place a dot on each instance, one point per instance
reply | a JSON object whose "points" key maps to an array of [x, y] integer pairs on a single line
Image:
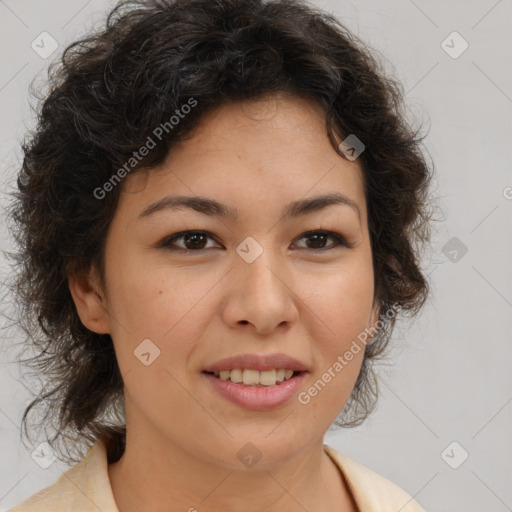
{"points": [[86, 487]]}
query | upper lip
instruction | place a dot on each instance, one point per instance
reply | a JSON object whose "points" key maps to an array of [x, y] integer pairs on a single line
{"points": [[257, 362]]}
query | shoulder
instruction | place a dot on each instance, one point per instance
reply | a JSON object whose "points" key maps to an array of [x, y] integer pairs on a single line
{"points": [[55, 497], [372, 492], [83, 488]]}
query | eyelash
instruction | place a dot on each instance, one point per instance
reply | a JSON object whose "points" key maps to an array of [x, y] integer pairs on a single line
{"points": [[167, 243]]}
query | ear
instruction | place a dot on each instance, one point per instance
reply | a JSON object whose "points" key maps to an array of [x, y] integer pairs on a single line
{"points": [[90, 301]]}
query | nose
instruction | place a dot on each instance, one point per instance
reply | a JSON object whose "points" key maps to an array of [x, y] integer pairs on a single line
{"points": [[261, 295]]}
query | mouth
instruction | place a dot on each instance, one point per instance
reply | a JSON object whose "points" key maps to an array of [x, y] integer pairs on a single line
{"points": [[256, 390], [258, 382], [256, 378]]}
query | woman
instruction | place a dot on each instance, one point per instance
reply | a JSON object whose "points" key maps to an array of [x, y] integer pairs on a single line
{"points": [[219, 219]]}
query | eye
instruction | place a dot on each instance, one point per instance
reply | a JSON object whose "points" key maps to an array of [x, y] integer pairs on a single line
{"points": [[195, 241], [319, 238], [192, 240]]}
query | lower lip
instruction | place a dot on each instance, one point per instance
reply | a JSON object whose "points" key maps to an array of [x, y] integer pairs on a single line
{"points": [[257, 398]]}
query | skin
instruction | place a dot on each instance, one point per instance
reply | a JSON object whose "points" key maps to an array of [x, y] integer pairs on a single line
{"points": [[200, 307]]}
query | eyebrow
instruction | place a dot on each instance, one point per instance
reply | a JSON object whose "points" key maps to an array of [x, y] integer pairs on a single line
{"points": [[212, 207]]}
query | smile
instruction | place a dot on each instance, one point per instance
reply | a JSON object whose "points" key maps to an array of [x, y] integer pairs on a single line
{"points": [[250, 377], [251, 393]]}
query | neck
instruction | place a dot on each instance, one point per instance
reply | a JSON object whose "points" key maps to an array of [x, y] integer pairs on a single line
{"points": [[157, 475]]}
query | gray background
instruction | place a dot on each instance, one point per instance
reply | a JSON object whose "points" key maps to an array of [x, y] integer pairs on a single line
{"points": [[449, 376]]}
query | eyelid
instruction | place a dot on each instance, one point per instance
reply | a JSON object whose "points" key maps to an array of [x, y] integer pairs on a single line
{"points": [[341, 241], [165, 243]]}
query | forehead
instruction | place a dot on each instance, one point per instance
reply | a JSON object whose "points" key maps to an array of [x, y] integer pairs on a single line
{"points": [[273, 149]]}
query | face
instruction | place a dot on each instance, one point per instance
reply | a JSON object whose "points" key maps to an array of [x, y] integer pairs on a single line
{"points": [[185, 289]]}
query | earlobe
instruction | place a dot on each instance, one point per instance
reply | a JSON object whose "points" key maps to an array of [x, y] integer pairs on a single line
{"points": [[89, 301]]}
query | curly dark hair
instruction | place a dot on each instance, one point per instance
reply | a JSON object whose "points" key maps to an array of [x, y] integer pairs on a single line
{"points": [[107, 94]]}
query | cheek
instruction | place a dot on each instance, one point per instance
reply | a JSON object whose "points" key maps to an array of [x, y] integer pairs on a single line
{"points": [[342, 303], [170, 307], [151, 299]]}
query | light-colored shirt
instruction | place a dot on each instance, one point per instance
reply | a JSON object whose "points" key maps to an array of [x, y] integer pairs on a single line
{"points": [[85, 487]]}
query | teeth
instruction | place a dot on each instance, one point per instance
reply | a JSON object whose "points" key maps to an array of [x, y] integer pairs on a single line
{"points": [[251, 377], [255, 377], [267, 377], [235, 375]]}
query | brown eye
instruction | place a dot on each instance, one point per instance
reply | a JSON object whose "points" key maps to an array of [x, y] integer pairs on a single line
{"points": [[192, 241], [319, 238], [196, 241]]}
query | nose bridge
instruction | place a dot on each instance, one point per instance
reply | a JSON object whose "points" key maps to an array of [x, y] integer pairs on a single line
{"points": [[260, 266], [261, 293], [261, 282]]}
